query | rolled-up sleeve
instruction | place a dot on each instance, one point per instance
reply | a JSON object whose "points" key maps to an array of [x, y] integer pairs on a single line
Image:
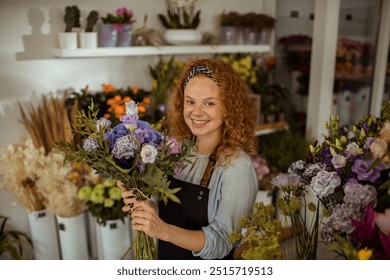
{"points": [[232, 194]]}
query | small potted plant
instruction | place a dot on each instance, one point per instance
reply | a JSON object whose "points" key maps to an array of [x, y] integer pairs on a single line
{"points": [[116, 30], [88, 39], [11, 241], [228, 23], [68, 38], [181, 22]]}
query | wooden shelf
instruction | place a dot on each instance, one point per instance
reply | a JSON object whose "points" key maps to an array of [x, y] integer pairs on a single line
{"points": [[268, 128], [163, 50]]}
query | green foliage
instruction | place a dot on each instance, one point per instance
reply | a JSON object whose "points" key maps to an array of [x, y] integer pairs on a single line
{"points": [[71, 17], [180, 17], [92, 19], [283, 148], [12, 241]]}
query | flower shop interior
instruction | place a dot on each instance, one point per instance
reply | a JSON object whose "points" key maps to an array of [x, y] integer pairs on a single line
{"points": [[313, 66]]}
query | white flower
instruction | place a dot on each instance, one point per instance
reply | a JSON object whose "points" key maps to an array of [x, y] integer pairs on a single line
{"points": [[338, 161], [131, 108], [148, 153]]}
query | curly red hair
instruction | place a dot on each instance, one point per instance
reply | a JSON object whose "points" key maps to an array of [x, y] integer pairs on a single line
{"points": [[239, 113]]}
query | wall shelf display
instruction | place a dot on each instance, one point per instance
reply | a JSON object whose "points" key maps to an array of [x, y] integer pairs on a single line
{"points": [[163, 50], [268, 128]]}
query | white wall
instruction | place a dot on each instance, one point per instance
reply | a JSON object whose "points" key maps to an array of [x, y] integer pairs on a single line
{"points": [[28, 36]]}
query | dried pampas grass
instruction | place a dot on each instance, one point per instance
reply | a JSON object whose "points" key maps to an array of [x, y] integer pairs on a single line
{"points": [[49, 122]]}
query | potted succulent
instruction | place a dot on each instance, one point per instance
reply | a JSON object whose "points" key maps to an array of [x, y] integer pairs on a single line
{"points": [[116, 30], [181, 22], [228, 23], [88, 39], [68, 38]]}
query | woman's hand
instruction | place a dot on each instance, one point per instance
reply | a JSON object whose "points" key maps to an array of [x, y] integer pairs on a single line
{"points": [[144, 213], [128, 197]]}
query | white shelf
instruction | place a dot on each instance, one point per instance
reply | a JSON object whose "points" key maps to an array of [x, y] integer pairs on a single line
{"points": [[163, 50]]}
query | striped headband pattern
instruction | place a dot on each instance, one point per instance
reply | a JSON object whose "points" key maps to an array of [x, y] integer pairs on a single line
{"points": [[197, 70]]}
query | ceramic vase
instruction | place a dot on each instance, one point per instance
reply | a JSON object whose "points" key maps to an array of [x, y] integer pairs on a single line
{"points": [[228, 35], [124, 35], [73, 237], [88, 40], [182, 36], [107, 35], [67, 40], [43, 230]]}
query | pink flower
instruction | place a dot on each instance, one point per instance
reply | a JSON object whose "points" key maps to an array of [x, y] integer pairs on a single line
{"points": [[382, 220], [385, 132], [174, 145], [378, 148]]}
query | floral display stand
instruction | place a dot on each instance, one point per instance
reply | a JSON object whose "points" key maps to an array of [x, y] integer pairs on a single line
{"points": [[44, 235], [113, 239], [73, 237]]}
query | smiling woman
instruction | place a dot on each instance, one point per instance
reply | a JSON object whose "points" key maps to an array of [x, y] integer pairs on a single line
{"points": [[211, 105]]}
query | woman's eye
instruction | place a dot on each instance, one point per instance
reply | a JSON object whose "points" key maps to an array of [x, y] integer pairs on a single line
{"points": [[189, 102], [210, 103]]}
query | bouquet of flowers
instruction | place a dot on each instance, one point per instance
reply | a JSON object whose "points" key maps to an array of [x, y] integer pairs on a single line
{"points": [[122, 16], [140, 155], [349, 173]]}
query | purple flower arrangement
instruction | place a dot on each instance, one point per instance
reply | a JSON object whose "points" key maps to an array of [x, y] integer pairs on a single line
{"points": [[349, 173], [139, 154]]}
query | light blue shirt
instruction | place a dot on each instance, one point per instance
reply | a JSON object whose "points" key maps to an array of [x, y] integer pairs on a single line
{"points": [[232, 194]]}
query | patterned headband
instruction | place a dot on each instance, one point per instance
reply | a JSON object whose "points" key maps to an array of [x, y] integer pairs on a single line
{"points": [[197, 70]]}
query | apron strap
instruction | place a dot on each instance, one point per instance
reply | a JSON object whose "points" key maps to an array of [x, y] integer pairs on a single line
{"points": [[209, 170]]}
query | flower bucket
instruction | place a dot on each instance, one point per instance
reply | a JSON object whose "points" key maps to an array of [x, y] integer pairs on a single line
{"points": [[107, 35], [124, 35], [73, 237], [250, 36], [113, 239], [44, 235], [265, 196]]}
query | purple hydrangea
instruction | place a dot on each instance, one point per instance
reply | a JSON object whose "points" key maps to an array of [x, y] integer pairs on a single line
{"points": [[114, 134], [146, 134]]}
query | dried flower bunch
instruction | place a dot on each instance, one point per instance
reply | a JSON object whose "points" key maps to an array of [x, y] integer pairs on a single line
{"points": [[38, 180], [260, 234], [181, 14]]}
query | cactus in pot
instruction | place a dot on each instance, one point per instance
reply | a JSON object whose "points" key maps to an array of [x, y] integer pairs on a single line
{"points": [[72, 18], [92, 19]]}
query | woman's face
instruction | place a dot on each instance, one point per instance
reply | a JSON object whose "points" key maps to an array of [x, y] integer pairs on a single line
{"points": [[203, 111]]}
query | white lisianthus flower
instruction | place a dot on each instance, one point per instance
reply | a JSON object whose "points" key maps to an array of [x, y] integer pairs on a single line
{"points": [[338, 161], [148, 153], [131, 108]]}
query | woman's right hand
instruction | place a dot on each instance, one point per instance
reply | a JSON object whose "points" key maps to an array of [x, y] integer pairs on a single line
{"points": [[128, 197]]}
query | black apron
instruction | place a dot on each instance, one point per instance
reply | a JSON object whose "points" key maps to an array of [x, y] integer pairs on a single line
{"points": [[190, 213]]}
